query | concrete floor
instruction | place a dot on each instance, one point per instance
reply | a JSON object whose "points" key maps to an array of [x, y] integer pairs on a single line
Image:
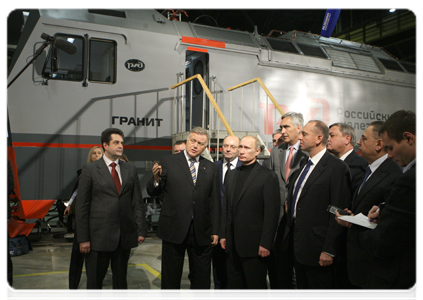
{"points": [[43, 273]]}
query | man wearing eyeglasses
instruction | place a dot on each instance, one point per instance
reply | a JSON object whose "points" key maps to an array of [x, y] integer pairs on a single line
{"points": [[190, 214], [230, 150]]}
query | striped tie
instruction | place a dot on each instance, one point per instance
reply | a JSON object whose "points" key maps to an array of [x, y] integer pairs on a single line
{"points": [[192, 170]]}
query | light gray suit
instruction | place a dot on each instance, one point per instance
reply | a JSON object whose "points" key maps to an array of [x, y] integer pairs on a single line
{"points": [[277, 163], [280, 266]]}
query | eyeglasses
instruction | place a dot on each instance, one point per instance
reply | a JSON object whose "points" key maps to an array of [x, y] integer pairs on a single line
{"points": [[233, 147]]}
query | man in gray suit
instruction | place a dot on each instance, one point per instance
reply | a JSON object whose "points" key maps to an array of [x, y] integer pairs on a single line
{"points": [[110, 214], [284, 160]]}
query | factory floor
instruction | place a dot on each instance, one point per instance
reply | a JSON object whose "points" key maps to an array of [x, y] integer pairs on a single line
{"points": [[43, 273]]}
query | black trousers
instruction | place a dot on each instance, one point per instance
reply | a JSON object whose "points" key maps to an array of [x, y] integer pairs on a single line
{"points": [[199, 258], [246, 272], [9, 265], [76, 264], [97, 263], [220, 277], [281, 262]]}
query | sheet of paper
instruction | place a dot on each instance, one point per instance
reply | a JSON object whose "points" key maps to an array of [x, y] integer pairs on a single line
{"points": [[359, 219]]}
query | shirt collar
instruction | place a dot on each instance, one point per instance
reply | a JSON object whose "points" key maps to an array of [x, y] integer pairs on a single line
{"points": [[296, 146], [374, 165], [188, 158], [234, 162], [343, 157], [408, 167], [318, 156], [108, 161]]}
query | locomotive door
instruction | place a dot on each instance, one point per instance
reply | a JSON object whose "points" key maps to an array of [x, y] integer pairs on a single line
{"points": [[196, 63]]}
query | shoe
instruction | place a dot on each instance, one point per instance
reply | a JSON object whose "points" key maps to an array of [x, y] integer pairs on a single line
{"points": [[10, 293]]}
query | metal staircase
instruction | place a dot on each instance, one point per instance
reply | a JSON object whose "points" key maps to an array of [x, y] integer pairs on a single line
{"points": [[214, 149]]}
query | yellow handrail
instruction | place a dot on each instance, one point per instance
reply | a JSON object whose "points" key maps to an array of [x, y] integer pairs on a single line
{"points": [[209, 94], [265, 90]]}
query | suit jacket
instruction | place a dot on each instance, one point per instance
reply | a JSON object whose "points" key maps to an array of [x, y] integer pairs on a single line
{"points": [[184, 202], [250, 220], [393, 242], [316, 229], [358, 166], [219, 164], [277, 164], [105, 217], [375, 191]]}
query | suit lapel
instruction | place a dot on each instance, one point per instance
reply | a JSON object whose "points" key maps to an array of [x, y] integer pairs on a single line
{"points": [[317, 171], [374, 180], [201, 170], [104, 171], [124, 173], [282, 156], [183, 164], [296, 164], [248, 182]]}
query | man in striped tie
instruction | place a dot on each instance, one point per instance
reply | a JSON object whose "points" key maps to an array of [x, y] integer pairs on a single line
{"points": [[190, 214]]}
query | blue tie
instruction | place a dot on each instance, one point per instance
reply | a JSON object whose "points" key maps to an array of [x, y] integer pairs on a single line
{"points": [[368, 172], [297, 187]]}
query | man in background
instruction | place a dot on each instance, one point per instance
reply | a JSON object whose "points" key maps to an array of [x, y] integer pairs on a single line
{"points": [[179, 146], [341, 142], [229, 162]]}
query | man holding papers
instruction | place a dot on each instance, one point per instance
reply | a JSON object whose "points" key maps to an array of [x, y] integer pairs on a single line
{"points": [[373, 190], [394, 243]]}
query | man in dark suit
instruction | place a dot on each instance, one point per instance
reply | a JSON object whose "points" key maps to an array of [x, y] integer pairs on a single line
{"points": [[229, 162], [285, 159], [374, 189], [190, 214], [249, 218], [341, 142], [110, 214], [393, 242], [312, 232]]}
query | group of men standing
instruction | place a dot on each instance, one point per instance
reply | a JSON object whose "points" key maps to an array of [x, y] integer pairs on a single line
{"points": [[254, 221]]}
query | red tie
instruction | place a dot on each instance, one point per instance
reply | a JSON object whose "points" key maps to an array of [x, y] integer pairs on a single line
{"points": [[115, 176], [288, 163]]}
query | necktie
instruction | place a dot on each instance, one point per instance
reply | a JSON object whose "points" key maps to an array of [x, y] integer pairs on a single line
{"points": [[192, 170], [289, 163], [297, 188], [368, 172], [228, 166], [115, 177]]}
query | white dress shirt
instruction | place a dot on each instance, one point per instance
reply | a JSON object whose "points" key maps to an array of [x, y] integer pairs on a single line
{"points": [[294, 152], [225, 167], [108, 162], [315, 161], [374, 165], [196, 162], [343, 157], [408, 167]]}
